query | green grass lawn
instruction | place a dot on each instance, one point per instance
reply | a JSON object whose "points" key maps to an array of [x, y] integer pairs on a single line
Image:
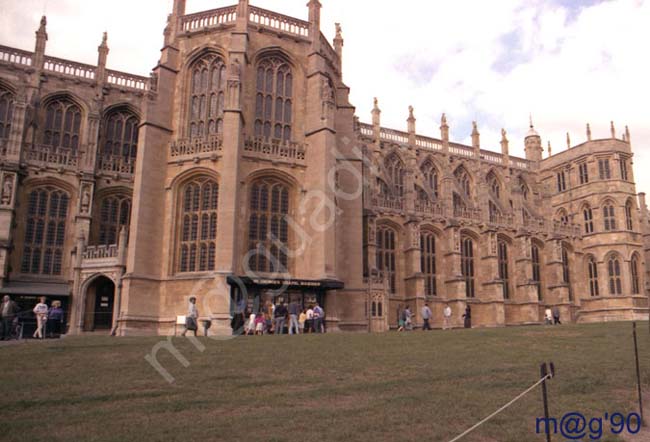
{"points": [[337, 387]]}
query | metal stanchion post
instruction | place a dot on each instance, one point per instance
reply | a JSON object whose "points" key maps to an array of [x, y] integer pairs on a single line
{"points": [[638, 373], [544, 373]]}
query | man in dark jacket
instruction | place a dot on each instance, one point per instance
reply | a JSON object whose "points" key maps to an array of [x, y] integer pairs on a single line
{"points": [[280, 318], [294, 312], [8, 312]]}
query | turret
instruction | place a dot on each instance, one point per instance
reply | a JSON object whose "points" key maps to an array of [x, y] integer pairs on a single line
{"points": [[444, 133], [588, 132], [314, 22], [102, 56], [505, 148], [476, 140], [411, 126], [41, 41], [613, 130], [533, 144], [376, 121], [178, 11], [476, 136], [242, 15], [338, 45]]}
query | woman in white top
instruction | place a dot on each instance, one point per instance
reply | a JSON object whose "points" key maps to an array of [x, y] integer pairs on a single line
{"points": [[41, 317], [309, 322], [548, 316], [191, 320], [250, 327]]}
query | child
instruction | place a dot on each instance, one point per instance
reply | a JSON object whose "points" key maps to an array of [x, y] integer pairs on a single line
{"points": [[301, 320], [250, 327], [259, 324]]}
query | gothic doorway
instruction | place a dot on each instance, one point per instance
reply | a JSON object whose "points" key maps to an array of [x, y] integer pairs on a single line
{"points": [[100, 299]]}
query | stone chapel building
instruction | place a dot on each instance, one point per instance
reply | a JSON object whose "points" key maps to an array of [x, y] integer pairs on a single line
{"points": [[239, 173]]}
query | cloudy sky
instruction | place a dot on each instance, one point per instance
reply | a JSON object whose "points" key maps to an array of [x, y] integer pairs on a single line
{"points": [[566, 62]]}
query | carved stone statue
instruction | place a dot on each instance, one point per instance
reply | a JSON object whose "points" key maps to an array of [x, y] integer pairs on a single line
{"points": [[85, 200], [327, 91], [456, 239], [7, 190], [235, 69]]}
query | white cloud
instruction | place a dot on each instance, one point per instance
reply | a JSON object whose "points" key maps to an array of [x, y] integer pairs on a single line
{"points": [[492, 61]]}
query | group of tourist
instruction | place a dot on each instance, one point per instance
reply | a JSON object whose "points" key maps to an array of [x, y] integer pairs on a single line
{"points": [[294, 319], [49, 319], [281, 319], [405, 321], [552, 317]]}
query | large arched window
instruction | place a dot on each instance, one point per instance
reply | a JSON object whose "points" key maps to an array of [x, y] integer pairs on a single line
{"points": [[566, 271], [207, 98], [428, 262], [629, 223], [120, 142], [396, 172], [47, 211], [463, 181], [494, 185], [467, 265], [634, 274], [114, 213], [268, 227], [537, 270], [523, 187], [459, 205], [609, 217], [274, 100], [588, 215], [6, 113], [494, 212], [592, 270], [386, 249], [62, 124], [198, 234], [430, 177], [614, 273], [504, 275]]}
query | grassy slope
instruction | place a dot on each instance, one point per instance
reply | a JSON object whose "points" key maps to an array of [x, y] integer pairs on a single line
{"points": [[405, 387]]}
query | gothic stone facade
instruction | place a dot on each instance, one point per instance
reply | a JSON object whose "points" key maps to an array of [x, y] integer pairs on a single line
{"points": [[237, 172]]}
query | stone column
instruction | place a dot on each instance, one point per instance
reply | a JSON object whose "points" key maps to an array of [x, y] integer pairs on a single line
{"points": [[9, 183], [490, 312], [557, 293], [15, 142], [141, 291], [524, 305], [78, 299], [414, 280]]}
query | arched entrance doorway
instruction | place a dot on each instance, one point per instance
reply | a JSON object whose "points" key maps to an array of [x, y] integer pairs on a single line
{"points": [[100, 300]]}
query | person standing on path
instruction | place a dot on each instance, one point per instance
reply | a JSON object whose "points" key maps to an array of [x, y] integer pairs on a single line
{"points": [[191, 320], [280, 315], [41, 317], [556, 316], [408, 318], [8, 311], [426, 317], [294, 312], [446, 314], [468, 317], [318, 318]]}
